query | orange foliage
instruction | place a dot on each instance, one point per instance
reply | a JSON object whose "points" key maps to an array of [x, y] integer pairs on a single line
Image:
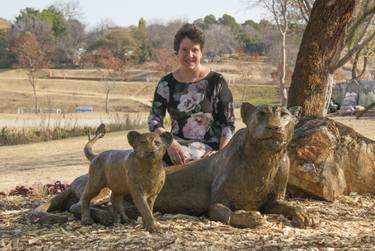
{"points": [[165, 59]]}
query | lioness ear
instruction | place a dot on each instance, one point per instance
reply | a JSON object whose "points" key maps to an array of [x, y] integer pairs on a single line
{"points": [[167, 138], [246, 110], [296, 111], [132, 137]]}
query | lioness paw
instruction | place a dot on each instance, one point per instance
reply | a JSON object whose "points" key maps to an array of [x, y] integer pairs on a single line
{"points": [[246, 219], [301, 219]]}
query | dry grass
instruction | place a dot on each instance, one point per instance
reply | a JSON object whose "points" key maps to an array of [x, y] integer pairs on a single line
{"points": [[54, 127], [247, 81]]}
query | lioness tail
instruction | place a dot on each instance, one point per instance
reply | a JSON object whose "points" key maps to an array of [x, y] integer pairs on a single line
{"points": [[100, 131]]}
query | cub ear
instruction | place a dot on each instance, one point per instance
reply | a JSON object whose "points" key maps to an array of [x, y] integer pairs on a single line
{"points": [[132, 137], [167, 138], [296, 111], [246, 110]]}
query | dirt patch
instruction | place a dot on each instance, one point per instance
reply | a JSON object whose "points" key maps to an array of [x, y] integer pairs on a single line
{"points": [[47, 162]]}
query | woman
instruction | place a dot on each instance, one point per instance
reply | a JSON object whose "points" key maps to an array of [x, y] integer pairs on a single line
{"points": [[197, 99]]}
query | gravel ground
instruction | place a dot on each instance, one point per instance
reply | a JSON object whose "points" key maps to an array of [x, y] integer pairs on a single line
{"points": [[347, 224]]}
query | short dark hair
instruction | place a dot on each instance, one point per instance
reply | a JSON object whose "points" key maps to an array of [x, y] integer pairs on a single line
{"points": [[190, 31]]}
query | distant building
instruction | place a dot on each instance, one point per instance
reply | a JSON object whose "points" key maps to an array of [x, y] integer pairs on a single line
{"points": [[84, 109]]}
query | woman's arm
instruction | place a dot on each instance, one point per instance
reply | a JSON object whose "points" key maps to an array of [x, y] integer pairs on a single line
{"points": [[225, 113], [223, 142], [155, 121], [159, 106]]}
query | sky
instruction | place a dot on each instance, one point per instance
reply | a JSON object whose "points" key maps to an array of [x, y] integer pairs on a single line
{"points": [[128, 12]]}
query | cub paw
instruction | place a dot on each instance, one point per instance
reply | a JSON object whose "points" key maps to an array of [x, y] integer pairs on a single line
{"points": [[154, 228], [85, 220]]}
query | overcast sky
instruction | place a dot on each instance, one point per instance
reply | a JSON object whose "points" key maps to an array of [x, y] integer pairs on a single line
{"points": [[128, 12]]}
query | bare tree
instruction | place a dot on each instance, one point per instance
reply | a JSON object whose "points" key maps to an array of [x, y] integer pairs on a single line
{"points": [[108, 65], [68, 45], [32, 57], [40, 29], [339, 25], [72, 9], [281, 11], [161, 35], [220, 40]]}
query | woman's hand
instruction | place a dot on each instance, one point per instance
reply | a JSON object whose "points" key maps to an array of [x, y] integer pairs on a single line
{"points": [[209, 153], [176, 154]]}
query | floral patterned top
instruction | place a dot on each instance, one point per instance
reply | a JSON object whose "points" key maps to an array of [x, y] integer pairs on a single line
{"points": [[200, 111]]}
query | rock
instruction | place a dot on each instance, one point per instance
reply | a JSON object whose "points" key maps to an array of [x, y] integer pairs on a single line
{"points": [[329, 159]]}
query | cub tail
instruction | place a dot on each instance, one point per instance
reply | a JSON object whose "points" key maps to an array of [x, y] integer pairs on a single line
{"points": [[100, 132]]}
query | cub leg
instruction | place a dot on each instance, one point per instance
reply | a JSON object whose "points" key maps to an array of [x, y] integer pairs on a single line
{"points": [[151, 202], [118, 206], [90, 192], [144, 209], [240, 219]]}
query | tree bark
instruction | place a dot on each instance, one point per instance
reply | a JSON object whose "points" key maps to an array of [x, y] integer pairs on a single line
{"points": [[32, 81], [320, 42], [283, 90]]}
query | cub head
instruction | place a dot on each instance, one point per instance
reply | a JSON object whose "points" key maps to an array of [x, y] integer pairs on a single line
{"points": [[270, 126], [149, 145]]}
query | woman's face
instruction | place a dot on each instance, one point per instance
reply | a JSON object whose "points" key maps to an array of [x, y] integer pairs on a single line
{"points": [[189, 54]]}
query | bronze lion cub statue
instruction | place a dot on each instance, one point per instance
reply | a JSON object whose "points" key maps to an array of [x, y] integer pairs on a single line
{"points": [[139, 173]]}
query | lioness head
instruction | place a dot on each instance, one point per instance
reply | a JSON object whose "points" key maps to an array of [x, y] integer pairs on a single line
{"points": [[270, 126], [149, 145]]}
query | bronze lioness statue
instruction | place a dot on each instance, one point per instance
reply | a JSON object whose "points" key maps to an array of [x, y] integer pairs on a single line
{"points": [[138, 173], [246, 177]]}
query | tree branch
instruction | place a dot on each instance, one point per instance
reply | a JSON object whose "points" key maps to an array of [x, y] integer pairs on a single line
{"points": [[361, 20], [351, 52]]}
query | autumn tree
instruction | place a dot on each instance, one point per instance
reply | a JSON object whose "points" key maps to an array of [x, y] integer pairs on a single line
{"points": [[165, 59], [108, 65], [32, 57], [119, 42], [7, 58]]}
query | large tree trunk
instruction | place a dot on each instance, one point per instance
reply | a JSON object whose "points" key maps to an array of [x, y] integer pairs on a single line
{"points": [[320, 42]]}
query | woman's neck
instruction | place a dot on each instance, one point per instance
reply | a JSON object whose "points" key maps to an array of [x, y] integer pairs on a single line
{"points": [[190, 75]]}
